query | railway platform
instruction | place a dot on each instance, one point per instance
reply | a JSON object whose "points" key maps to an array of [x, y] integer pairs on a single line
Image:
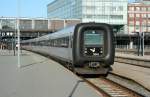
{"points": [[143, 61], [134, 68], [38, 76], [139, 74], [133, 56]]}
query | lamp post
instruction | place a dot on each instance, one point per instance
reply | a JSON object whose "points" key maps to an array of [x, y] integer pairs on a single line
{"points": [[18, 34], [142, 36], [11, 35], [8, 34], [140, 43]]}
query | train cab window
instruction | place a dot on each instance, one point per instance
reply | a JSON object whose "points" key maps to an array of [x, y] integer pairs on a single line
{"points": [[92, 37], [93, 42]]}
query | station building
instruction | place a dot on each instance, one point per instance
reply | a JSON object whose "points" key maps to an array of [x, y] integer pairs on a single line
{"points": [[138, 17], [144, 1], [138, 23], [113, 12], [33, 26], [30, 27]]}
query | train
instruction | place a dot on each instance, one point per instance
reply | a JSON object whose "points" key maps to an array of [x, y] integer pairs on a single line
{"points": [[85, 48]]}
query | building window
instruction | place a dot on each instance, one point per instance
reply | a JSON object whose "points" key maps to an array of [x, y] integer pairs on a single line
{"points": [[137, 15], [131, 15], [143, 8], [137, 8], [144, 15], [148, 15], [116, 16], [113, 8], [120, 8], [148, 8], [131, 8]]}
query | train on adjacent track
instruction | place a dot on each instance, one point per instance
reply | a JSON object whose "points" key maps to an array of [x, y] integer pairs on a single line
{"points": [[86, 48]]}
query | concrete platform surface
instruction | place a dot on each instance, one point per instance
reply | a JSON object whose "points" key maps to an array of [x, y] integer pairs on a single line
{"points": [[143, 61], [132, 56], [39, 77], [140, 75]]}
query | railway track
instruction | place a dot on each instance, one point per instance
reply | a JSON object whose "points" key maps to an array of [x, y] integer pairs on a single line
{"points": [[110, 89], [133, 60]]}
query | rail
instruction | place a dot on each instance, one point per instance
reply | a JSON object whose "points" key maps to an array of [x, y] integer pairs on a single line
{"points": [[132, 51], [109, 88]]}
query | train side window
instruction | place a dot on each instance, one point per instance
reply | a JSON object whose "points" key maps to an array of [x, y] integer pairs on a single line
{"points": [[59, 42], [43, 43], [49, 42], [71, 43], [67, 41], [62, 42], [55, 42]]}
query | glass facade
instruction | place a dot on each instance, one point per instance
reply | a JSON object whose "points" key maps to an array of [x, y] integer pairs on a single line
{"points": [[144, 1], [138, 17], [7, 23], [65, 9], [41, 25], [105, 11], [25, 23]]}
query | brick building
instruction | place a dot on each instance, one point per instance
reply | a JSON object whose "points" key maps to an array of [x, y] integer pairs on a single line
{"points": [[138, 17]]}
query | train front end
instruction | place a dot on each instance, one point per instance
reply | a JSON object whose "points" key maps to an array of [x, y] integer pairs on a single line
{"points": [[93, 48]]}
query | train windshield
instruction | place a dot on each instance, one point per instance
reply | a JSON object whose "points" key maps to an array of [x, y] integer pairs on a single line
{"points": [[93, 37]]}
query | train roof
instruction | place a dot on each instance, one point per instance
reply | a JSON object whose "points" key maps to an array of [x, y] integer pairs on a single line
{"points": [[59, 34]]}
